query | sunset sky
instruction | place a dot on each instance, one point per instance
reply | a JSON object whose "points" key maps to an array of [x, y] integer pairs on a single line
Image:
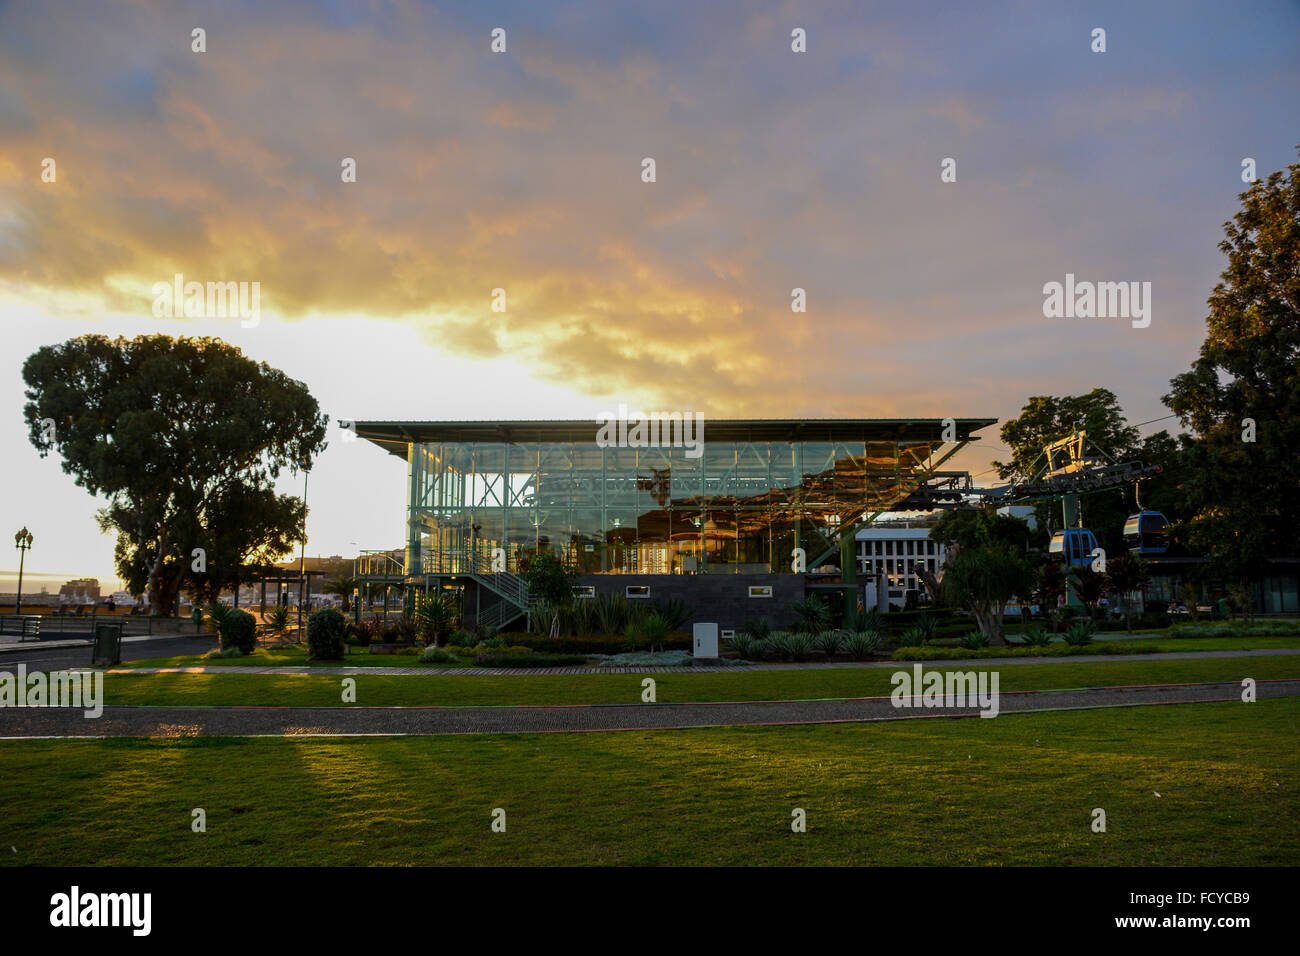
{"points": [[522, 170]]}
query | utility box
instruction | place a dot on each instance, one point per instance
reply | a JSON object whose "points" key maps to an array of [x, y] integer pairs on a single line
{"points": [[706, 640], [108, 645]]}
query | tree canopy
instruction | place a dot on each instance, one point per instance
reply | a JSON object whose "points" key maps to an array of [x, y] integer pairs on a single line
{"points": [[1241, 397], [185, 438]]}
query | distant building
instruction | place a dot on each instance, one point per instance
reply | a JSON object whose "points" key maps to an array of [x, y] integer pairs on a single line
{"points": [[80, 591], [896, 551]]}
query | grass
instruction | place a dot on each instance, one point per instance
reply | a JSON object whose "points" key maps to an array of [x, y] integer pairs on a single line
{"points": [[1018, 790], [296, 656], [322, 690]]}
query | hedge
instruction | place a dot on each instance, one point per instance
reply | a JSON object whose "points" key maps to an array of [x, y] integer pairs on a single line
{"points": [[594, 644], [1017, 650], [534, 660]]}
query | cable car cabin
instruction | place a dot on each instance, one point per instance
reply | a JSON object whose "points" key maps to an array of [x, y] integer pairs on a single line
{"points": [[1074, 546], [1147, 533]]}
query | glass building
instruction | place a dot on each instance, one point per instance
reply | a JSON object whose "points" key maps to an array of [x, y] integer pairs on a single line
{"points": [[486, 495]]}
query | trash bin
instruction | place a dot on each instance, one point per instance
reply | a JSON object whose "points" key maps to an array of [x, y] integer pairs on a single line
{"points": [[108, 644]]}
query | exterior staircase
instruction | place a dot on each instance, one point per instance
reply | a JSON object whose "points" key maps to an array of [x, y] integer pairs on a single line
{"points": [[512, 591]]}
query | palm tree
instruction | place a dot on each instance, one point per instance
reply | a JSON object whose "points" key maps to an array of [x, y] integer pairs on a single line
{"points": [[342, 586]]}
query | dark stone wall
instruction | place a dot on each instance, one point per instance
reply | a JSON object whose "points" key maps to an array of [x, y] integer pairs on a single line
{"points": [[712, 598]]}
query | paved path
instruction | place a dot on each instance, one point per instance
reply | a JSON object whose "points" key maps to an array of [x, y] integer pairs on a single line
{"points": [[730, 667], [423, 721], [62, 655]]}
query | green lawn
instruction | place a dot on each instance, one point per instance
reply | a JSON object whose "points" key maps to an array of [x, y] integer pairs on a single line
{"points": [[233, 688], [296, 656], [1017, 790]]}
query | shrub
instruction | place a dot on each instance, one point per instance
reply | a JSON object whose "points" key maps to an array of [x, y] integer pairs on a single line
{"points": [[813, 615], [358, 634], [1036, 637], [673, 611], [499, 659], [218, 612], [862, 644], [227, 652], [278, 618], [654, 629], [743, 644], [436, 655], [1080, 634], [462, 638], [912, 637], [830, 642], [239, 629], [871, 620], [974, 641], [434, 619], [759, 629], [326, 635], [1054, 650], [928, 625], [800, 644], [779, 645], [593, 645]]}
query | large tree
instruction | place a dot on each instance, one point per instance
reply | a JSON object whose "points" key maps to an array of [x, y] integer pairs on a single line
{"points": [[185, 438], [1241, 398], [1047, 418]]}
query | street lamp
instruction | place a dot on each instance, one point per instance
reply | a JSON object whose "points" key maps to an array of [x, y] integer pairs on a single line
{"points": [[23, 542], [302, 555]]}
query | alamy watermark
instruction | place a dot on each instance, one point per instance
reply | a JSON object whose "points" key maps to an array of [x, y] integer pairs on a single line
{"points": [[75, 908], [212, 300], [657, 430], [944, 689], [1098, 300], [84, 689]]}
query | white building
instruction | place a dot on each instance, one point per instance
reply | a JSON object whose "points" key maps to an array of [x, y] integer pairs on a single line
{"points": [[896, 551]]}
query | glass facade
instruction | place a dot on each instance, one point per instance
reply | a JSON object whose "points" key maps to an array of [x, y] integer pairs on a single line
{"points": [[740, 506]]}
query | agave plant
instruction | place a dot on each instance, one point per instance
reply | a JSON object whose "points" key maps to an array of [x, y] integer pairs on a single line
{"points": [[912, 637], [862, 644], [1080, 634], [612, 614], [800, 644], [278, 618], [674, 611], [830, 642], [871, 620], [218, 612], [1037, 637], [743, 644], [973, 641], [759, 629], [779, 645], [812, 614], [928, 626]]}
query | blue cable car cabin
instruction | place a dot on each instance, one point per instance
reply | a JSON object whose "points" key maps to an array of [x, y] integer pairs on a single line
{"points": [[1147, 533], [1074, 546]]}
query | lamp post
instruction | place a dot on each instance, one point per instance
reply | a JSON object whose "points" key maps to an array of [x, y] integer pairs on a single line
{"points": [[302, 555], [23, 542]]}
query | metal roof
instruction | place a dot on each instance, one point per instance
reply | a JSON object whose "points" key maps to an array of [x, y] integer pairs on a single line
{"points": [[393, 436]]}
